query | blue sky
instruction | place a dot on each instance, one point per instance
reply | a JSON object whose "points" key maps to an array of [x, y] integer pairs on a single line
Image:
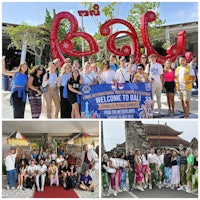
{"points": [[33, 13], [114, 132]]}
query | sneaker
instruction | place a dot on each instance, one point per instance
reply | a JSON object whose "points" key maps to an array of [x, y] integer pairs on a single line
{"points": [[18, 187], [188, 191], [145, 186], [42, 189], [140, 188], [38, 190], [106, 194], [159, 186], [150, 186], [180, 188], [115, 193], [12, 188], [130, 189], [21, 186], [7, 187]]}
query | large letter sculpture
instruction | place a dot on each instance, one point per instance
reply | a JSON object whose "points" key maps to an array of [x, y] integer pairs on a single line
{"points": [[105, 30], [172, 51], [66, 45]]}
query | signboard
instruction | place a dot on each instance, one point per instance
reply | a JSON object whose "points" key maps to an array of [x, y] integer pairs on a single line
{"points": [[128, 100]]}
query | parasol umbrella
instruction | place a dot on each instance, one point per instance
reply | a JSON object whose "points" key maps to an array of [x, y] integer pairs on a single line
{"points": [[17, 139]]}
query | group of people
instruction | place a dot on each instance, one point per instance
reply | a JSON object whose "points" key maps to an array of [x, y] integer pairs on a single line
{"points": [[62, 84], [42, 168], [169, 167]]}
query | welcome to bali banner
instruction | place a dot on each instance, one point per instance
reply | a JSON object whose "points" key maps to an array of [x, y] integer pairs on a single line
{"points": [[128, 100]]}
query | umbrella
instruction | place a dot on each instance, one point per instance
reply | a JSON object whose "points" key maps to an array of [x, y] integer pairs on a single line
{"points": [[17, 139]]}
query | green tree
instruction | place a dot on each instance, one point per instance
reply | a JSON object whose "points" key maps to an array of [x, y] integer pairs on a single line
{"points": [[110, 11], [135, 13], [32, 35], [63, 30]]}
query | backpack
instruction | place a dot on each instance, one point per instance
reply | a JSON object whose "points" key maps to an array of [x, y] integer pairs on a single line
{"points": [[71, 182], [29, 182]]}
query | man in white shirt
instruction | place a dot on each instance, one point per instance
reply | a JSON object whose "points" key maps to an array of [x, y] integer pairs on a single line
{"points": [[122, 75], [155, 72], [41, 172], [152, 159], [10, 168], [87, 159], [31, 172], [184, 78]]}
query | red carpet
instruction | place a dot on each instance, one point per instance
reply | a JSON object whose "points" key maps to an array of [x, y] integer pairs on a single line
{"points": [[56, 192]]}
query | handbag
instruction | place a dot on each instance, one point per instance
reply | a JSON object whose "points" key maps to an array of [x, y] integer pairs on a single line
{"points": [[45, 89], [110, 169]]}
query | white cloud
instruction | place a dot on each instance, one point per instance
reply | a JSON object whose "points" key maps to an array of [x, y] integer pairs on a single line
{"points": [[31, 22]]}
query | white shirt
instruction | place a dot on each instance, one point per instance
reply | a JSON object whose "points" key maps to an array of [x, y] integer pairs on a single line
{"points": [[180, 76], [88, 78], [10, 162], [122, 75], [107, 76], [115, 162], [144, 160], [91, 155], [53, 156], [152, 158], [59, 160], [41, 169], [160, 160], [31, 169], [155, 71]]}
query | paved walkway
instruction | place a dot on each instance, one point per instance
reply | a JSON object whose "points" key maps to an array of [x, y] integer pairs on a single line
{"points": [[154, 193]]}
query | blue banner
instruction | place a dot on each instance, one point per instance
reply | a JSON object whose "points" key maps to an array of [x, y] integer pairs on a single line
{"points": [[128, 100]]}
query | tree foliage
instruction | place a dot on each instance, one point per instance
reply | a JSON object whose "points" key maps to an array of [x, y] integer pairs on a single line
{"points": [[32, 35], [135, 13]]}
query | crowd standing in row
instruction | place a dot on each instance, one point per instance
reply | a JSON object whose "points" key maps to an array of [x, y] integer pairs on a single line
{"points": [[170, 168], [69, 78], [50, 168]]}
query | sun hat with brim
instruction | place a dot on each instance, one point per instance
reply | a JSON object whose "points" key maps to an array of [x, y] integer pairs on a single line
{"points": [[173, 149]]}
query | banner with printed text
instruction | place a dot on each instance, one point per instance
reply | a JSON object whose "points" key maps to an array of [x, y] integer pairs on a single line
{"points": [[128, 100]]}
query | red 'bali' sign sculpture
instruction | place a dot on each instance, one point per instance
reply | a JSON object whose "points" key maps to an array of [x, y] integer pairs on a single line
{"points": [[66, 46]]}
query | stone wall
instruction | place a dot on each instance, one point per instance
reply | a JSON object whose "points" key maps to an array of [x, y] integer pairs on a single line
{"points": [[135, 136]]}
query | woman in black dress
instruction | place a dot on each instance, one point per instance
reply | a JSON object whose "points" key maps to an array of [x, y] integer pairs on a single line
{"points": [[73, 90]]}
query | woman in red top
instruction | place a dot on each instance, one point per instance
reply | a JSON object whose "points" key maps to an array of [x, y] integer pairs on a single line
{"points": [[169, 86]]}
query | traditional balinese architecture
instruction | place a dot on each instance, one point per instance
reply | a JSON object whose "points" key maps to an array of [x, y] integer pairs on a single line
{"points": [[145, 136], [160, 136]]}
